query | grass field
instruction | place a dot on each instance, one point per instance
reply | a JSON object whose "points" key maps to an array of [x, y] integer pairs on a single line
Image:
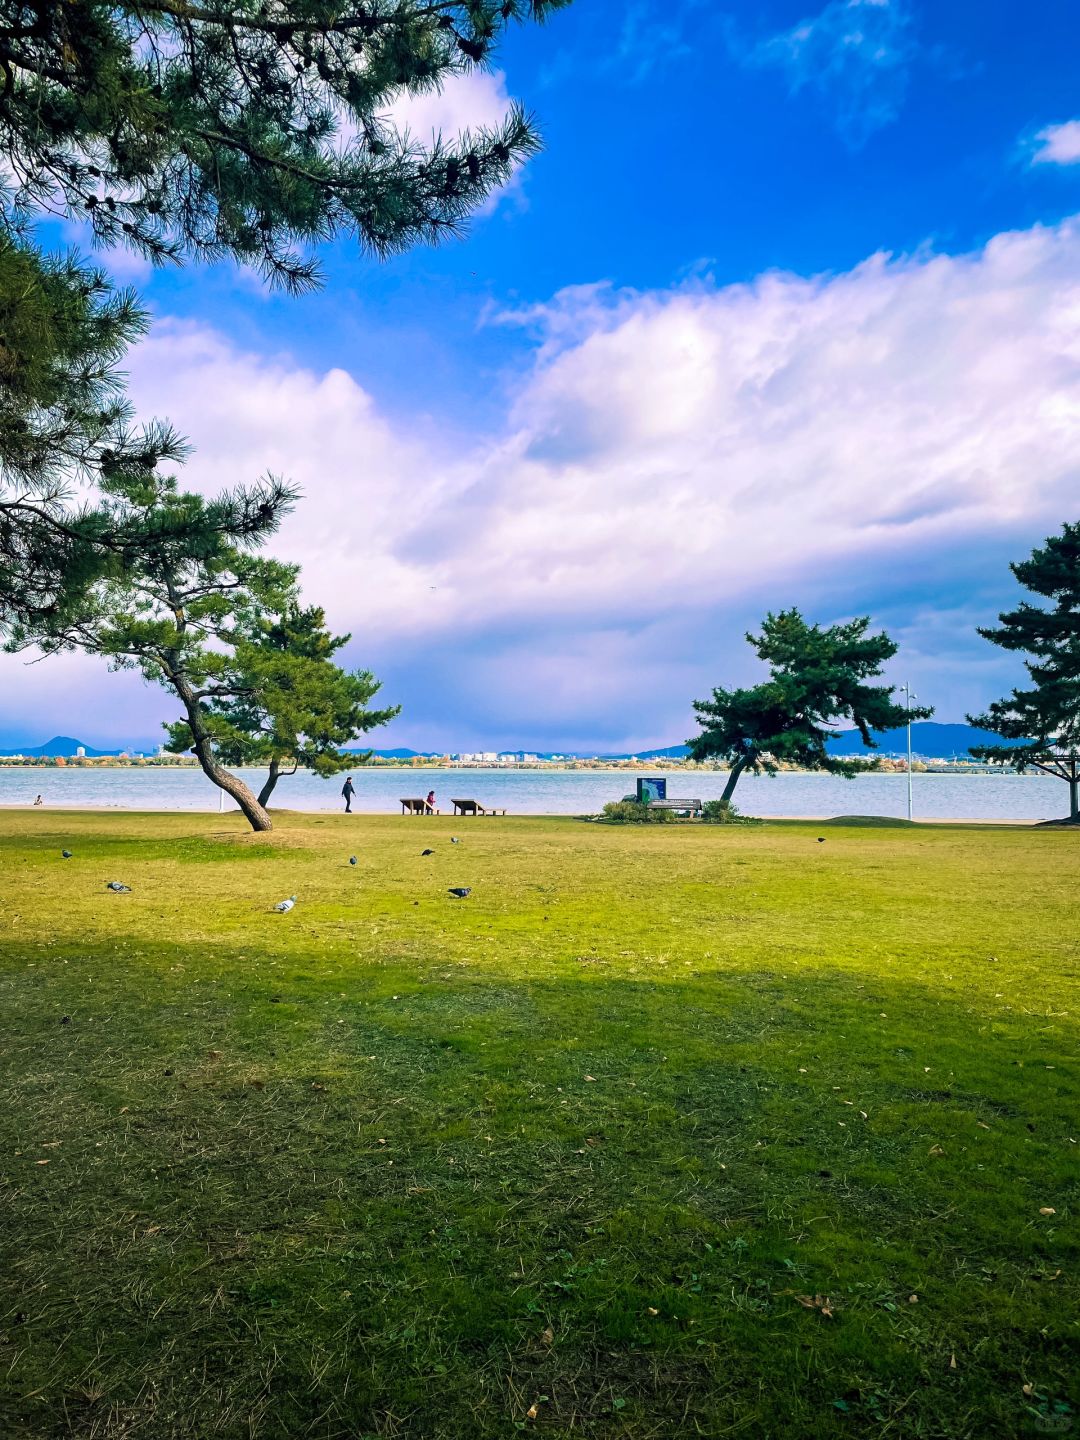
{"points": [[662, 1132]]}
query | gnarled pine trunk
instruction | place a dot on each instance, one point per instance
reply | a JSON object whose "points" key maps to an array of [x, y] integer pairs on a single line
{"points": [[254, 810], [274, 776]]}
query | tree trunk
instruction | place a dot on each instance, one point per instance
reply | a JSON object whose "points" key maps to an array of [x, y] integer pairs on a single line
{"points": [[733, 779], [1074, 797], [253, 809], [271, 780]]}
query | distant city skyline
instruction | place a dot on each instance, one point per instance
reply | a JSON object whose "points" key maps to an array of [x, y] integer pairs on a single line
{"points": [[783, 315]]}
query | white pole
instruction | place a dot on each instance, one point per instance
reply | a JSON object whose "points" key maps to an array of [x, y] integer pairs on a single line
{"points": [[908, 698]]}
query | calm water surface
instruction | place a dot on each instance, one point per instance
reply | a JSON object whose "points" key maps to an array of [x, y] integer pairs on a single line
{"points": [[573, 792]]}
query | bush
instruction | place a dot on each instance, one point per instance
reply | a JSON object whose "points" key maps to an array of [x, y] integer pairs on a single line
{"points": [[722, 812], [633, 812]]}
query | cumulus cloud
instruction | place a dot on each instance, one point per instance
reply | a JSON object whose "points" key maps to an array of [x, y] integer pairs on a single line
{"points": [[855, 54], [1057, 144], [671, 464], [474, 100]]}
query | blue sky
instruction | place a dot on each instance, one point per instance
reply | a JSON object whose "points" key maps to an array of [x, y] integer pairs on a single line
{"points": [[784, 313]]}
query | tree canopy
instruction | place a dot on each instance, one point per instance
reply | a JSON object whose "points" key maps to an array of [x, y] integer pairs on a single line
{"points": [[1045, 717], [66, 427], [249, 128], [283, 702], [177, 602], [818, 677]]}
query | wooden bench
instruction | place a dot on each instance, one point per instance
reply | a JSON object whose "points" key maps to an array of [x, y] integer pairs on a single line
{"points": [[694, 806], [473, 807], [418, 806]]}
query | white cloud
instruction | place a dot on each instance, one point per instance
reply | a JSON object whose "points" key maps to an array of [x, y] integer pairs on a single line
{"points": [[855, 53], [1057, 144], [474, 100], [672, 463]]}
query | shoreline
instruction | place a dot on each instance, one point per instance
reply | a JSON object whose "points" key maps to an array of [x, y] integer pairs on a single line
{"points": [[868, 821]]}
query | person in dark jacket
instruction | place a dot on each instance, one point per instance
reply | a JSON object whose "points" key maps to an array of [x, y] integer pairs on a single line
{"points": [[348, 791]]}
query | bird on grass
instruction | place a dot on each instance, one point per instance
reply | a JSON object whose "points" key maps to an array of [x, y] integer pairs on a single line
{"points": [[427, 852], [454, 840], [352, 859], [66, 854], [821, 839], [119, 889], [459, 892]]}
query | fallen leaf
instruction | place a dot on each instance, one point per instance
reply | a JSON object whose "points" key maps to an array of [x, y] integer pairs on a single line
{"points": [[1028, 1390], [548, 1336], [1044, 1210], [820, 1303], [912, 1299], [952, 1362], [41, 1162], [936, 1150], [802, 1069], [650, 1311], [982, 1124], [590, 1077], [532, 1412]]}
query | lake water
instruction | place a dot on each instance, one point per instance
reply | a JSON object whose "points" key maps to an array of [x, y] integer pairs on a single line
{"points": [[553, 792]]}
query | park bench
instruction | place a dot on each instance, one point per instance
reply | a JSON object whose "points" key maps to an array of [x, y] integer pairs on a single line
{"points": [[418, 806], [473, 807], [694, 806]]}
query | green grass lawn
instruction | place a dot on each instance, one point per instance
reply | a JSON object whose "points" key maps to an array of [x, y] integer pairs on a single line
{"points": [[662, 1132]]}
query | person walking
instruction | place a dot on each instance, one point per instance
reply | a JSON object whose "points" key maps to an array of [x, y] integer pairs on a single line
{"points": [[348, 791]]}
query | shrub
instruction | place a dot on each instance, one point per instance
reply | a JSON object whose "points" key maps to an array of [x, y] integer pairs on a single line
{"points": [[723, 812], [633, 812]]}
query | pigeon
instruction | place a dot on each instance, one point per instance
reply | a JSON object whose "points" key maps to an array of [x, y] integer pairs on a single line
{"points": [[454, 840], [352, 859], [459, 892], [284, 906], [66, 854], [118, 888], [427, 852], [821, 839]]}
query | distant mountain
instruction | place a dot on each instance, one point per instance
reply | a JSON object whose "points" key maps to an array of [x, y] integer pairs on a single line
{"points": [[401, 753], [59, 745], [928, 738], [670, 752]]}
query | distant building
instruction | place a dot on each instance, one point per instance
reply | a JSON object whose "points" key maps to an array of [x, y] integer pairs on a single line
{"points": [[80, 751]]}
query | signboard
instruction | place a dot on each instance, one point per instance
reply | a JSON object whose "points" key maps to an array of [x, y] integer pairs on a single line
{"points": [[652, 789]]}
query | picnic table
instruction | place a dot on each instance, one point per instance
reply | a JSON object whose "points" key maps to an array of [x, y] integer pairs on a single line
{"points": [[417, 806], [473, 807]]}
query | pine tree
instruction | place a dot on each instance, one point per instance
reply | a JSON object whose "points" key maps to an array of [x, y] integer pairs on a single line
{"points": [[818, 677], [65, 424], [286, 703], [249, 128], [183, 590], [1046, 717]]}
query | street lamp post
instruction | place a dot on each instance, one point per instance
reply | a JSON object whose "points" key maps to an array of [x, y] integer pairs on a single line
{"points": [[909, 695]]}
